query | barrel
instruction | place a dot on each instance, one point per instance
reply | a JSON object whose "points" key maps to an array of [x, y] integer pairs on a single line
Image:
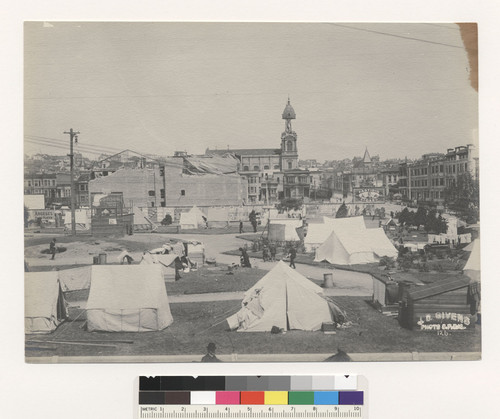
{"points": [[96, 260], [102, 258], [328, 280]]}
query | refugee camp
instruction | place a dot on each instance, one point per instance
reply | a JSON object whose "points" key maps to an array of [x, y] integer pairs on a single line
{"points": [[253, 207]]}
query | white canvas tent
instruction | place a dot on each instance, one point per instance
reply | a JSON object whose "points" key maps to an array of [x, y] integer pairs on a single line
{"points": [[316, 235], [473, 266], [380, 243], [192, 219], [127, 298], [75, 278], [167, 263], [45, 307], [82, 220], [282, 298], [351, 243]]}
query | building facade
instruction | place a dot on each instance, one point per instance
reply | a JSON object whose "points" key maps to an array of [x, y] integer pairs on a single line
{"points": [[273, 173], [424, 181]]}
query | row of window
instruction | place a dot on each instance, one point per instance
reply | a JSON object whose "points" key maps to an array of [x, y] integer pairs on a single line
{"points": [[437, 182], [257, 168], [437, 168], [42, 182], [297, 179]]}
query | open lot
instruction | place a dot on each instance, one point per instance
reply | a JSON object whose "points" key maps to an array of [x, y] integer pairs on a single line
{"points": [[198, 321]]}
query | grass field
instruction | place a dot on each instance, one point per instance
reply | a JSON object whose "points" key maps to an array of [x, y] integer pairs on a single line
{"points": [[193, 328]]}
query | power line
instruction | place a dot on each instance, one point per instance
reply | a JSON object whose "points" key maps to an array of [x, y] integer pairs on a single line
{"points": [[92, 146], [397, 36], [60, 146]]}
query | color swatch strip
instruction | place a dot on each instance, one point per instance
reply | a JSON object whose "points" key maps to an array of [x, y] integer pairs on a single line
{"points": [[250, 397], [249, 383]]}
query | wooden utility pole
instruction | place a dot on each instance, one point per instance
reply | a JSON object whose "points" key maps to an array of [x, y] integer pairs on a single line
{"points": [[73, 136]]}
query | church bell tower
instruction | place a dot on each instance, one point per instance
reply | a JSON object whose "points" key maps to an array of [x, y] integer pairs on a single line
{"points": [[289, 152]]}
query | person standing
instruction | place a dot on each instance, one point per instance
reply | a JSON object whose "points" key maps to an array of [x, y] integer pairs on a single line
{"points": [[52, 249], [253, 220], [293, 255], [272, 250], [245, 259], [241, 226]]}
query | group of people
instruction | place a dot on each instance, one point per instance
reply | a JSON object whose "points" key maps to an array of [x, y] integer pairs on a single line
{"points": [[268, 255]]}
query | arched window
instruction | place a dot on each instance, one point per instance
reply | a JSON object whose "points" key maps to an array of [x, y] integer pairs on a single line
{"points": [[245, 168], [289, 164], [276, 167], [289, 146], [266, 167], [256, 168]]}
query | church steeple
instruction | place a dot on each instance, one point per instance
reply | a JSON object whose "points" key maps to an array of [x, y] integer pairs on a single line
{"points": [[366, 158], [289, 152]]}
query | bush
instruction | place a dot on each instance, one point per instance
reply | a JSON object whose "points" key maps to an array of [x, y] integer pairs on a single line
{"points": [[388, 262], [167, 220]]}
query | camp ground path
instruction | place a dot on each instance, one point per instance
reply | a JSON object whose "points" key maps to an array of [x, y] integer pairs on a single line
{"points": [[348, 283]]}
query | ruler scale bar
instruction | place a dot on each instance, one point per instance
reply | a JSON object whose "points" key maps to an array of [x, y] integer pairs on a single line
{"points": [[262, 397], [327, 412]]}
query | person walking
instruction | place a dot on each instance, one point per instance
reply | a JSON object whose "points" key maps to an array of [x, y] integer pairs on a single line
{"points": [[293, 255], [52, 249]]}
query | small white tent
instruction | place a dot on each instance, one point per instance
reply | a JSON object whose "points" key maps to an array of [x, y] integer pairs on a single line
{"points": [[473, 266], [192, 219], [167, 263], [45, 307], [127, 298], [282, 298]]}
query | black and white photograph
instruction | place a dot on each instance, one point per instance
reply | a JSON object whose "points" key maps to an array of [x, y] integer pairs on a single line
{"points": [[251, 192]]}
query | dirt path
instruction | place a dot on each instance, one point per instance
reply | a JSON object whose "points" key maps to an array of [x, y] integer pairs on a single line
{"points": [[80, 253]]}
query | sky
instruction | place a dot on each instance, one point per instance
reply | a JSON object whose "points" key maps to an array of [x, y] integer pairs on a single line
{"points": [[399, 89]]}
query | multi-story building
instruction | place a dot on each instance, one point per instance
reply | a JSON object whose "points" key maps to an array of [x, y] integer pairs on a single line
{"points": [[425, 180], [56, 187]]}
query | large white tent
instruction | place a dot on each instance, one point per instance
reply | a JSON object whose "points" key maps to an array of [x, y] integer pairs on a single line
{"points": [[75, 278], [192, 219], [317, 233], [45, 307], [282, 298], [350, 244], [127, 298]]}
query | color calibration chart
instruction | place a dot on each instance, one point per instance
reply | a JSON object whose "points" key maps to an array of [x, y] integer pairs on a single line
{"points": [[227, 397]]}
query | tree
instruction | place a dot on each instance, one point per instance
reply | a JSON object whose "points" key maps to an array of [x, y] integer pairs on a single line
{"points": [[342, 212], [420, 217], [406, 217], [435, 223], [287, 204], [462, 197]]}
